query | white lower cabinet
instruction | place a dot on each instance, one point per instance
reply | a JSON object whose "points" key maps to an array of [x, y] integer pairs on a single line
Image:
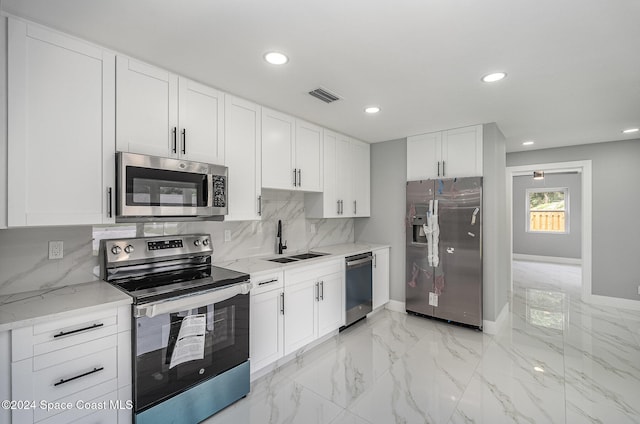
{"points": [[313, 303], [267, 320], [293, 308], [380, 277], [75, 370]]}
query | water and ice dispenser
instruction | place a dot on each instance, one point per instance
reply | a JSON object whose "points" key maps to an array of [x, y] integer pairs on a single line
{"points": [[418, 220]]}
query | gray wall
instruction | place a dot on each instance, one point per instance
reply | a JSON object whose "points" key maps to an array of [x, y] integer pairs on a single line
{"points": [[615, 229], [388, 199], [548, 244], [495, 243]]}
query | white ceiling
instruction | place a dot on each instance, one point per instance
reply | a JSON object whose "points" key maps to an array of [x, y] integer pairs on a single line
{"points": [[573, 65]]}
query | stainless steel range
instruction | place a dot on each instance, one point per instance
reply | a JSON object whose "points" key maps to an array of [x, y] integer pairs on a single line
{"points": [[191, 326]]}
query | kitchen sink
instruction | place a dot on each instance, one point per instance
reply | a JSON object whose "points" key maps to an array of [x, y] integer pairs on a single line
{"points": [[309, 255], [298, 257], [282, 260]]}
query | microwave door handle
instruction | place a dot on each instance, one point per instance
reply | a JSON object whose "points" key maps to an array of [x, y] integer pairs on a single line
{"points": [[187, 302]]}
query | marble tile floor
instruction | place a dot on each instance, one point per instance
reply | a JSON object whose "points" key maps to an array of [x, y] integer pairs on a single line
{"points": [[558, 360]]}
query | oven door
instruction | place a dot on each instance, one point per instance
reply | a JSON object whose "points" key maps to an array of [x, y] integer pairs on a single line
{"points": [[179, 344], [149, 186]]}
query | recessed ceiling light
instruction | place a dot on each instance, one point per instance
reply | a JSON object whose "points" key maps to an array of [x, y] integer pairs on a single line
{"points": [[528, 143], [539, 369], [372, 109], [631, 130], [496, 76], [276, 58]]}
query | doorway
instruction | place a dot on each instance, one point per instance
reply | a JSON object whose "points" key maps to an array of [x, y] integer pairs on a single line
{"points": [[582, 168]]}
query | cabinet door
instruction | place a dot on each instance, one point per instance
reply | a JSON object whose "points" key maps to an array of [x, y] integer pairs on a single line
{"points": [[201, 119], [380, 277], [308, 156], [331, 312], [277, 149], [361, 186], [344, 176], [61, 94], [243, 157], [462, 152], [299, 315], [266, 329], [146, 109], [423, 156]]}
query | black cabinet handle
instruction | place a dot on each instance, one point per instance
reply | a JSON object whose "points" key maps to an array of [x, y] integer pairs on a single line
{"points": [[295, 177], [321, 290], [62, 380], [109, 203], [443, 173], [175, 140], [259, 205], [355, 207], [438, 168], [282, 303], [66, 333], [299, 177], [268, 281], [184, 141]]}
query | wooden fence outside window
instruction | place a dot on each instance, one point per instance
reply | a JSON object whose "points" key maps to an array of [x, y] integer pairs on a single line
{"points": [[552, 221]]}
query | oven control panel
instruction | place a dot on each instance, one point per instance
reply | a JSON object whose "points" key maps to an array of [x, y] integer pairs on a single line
{"points": [[140, 249], [164, 244]]}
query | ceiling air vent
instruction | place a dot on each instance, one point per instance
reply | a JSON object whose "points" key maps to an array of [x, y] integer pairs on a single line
{"points": [[324, 95]]}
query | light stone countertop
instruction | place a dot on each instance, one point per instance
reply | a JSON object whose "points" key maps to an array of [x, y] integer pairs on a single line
{"points": [[260, 264], [29, 308]]}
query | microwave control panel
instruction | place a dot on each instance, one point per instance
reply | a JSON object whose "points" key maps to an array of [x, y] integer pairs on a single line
{"points": [[219, 191]]}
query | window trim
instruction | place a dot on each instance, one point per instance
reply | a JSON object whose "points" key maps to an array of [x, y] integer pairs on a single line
{"points": [[567, 219]]}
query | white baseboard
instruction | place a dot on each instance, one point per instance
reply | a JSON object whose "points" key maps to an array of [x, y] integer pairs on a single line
{"points": [[396, 306], [550, 259], [493, 327], [614, 301]]}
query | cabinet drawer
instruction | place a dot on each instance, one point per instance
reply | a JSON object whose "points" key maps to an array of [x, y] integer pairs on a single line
{"points": [[299, 275], [266, 282], [63, 373], [60, 334]]}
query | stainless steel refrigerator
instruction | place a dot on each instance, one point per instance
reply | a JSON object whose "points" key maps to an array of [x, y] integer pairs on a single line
{"points": [[444, 249]]}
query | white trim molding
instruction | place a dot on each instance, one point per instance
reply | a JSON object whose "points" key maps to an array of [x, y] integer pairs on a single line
{"points": [[616, 302], [396, 306], [493, 327], [547, 259]]}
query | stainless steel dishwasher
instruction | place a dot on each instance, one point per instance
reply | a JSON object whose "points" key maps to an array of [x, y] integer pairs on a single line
{"points": [[358, 287]]}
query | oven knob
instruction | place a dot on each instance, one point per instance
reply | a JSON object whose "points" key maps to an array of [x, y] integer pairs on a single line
{"points": [[128, 249], [201, 371], [116, 250], [197, 242], [205, 242]]}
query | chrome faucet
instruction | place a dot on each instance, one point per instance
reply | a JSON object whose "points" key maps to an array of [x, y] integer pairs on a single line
{"points": [[279, 246]]}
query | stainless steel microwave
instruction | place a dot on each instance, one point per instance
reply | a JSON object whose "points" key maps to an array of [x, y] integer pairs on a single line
{"points": [[151, 188]]}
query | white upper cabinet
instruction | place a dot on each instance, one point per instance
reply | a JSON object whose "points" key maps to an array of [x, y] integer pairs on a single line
{"points": [[346, 178], [448, 154], [201, 122], [291, 153], [61, 141], [308, 154], [243, 157], [361, 179], [162, 114], [278, 132]]}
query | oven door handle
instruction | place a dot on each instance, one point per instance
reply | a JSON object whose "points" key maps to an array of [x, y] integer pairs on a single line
{"points": [[192, 301]]}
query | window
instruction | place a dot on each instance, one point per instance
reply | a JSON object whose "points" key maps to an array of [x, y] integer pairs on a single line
{"points": [[548, 210]]}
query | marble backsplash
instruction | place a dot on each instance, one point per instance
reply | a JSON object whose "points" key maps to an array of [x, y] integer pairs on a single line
{"points": [[24, 263]]}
